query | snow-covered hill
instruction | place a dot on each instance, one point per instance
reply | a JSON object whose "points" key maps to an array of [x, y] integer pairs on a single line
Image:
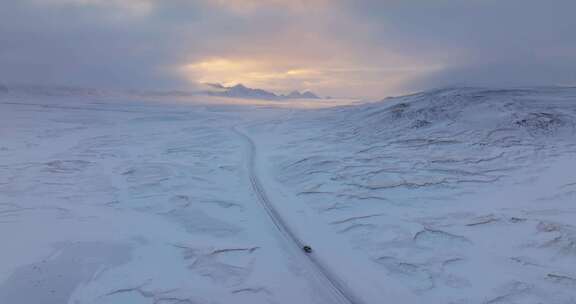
{"points": [[462, 195]]}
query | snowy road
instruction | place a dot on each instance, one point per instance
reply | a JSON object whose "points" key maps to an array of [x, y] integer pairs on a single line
{"points": [[319, 272]]}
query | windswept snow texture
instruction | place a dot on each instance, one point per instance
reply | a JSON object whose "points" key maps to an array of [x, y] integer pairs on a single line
{"points": [[450, 196], [461, 195], [117, 201]]}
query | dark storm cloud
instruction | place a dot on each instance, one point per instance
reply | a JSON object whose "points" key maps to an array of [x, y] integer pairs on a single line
{"points": [[86, 46], [481, 42]]}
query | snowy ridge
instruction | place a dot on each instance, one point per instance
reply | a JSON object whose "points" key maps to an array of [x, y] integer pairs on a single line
{"points": [[464, 195]]}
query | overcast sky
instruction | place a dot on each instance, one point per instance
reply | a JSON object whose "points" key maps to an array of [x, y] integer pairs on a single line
{"points": [[364, 48]]}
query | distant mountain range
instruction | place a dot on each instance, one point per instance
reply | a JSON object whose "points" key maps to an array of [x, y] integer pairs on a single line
{"points": [[241, 91], [213, 89]]}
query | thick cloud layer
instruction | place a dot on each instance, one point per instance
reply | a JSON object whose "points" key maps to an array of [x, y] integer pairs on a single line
{"points": [[484, 42], [367, 48]]}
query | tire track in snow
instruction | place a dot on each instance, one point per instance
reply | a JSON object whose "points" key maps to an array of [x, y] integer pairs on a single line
{"points": [[338, 291]]}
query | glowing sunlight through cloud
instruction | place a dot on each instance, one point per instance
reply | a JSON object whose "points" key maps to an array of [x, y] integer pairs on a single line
{"points": [[249, 72]]}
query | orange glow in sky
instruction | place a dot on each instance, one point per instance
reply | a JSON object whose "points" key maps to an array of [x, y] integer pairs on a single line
{"points": [[248, 72]]}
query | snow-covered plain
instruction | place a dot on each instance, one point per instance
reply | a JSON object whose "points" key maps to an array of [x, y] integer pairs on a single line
{"points": [[114, 201], [449, 196]]}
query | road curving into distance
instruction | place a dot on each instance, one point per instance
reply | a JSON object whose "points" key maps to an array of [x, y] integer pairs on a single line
{"points": [[322, 275]]}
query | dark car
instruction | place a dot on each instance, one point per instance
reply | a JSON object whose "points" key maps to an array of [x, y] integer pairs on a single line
{"points": [[307, 249]]}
